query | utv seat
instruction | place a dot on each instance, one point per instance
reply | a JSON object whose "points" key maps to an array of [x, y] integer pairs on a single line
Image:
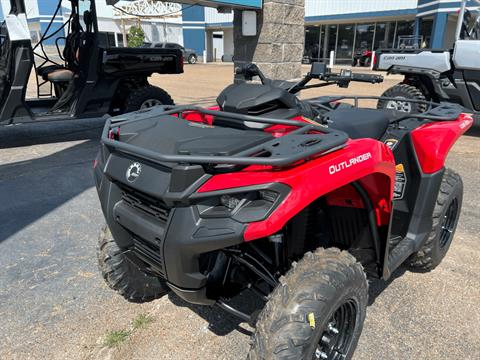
{"points": [[60, 75], [360, 123]]}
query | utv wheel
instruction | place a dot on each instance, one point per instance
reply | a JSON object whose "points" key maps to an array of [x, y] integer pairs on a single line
{"points": [[445, 219], [146, 97], [317, 311], [192, 59], [123, 276], [403, 92]]}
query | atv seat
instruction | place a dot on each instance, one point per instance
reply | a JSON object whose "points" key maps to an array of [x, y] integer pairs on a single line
{"points": [[360, 123]]}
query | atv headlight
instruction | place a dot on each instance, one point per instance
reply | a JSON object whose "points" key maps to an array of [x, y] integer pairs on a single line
{"points": [[244, 206]]}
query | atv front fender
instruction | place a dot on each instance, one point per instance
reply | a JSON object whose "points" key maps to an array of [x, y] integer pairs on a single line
{"points": [[365, 160]]}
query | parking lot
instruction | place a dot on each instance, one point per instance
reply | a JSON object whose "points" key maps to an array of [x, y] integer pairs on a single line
{"points": [[55, 305]]}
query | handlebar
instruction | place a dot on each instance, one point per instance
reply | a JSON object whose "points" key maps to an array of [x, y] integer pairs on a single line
{"points": [[374, 79], [318, 71], [345, 76]]}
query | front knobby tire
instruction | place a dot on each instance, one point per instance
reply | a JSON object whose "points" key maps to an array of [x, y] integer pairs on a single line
{"points": [[316, 312], [444, 223], [123, 276]]}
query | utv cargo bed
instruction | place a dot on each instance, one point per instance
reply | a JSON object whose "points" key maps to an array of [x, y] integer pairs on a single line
{"points": [[125, 61]]}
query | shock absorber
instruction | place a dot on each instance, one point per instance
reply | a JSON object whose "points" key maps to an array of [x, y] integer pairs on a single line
{"points": [[277, 241]]}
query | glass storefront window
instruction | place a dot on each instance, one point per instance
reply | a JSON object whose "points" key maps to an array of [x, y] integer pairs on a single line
{"points": [[364, 38], [381, 40], [346, 35], [426, 27], [391, 34], [312, 42], [332, 40], [404, 36], [347, 39]]}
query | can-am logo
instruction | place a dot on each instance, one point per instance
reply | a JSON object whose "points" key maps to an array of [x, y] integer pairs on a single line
{"points": [[346, 164], [133, 172]]}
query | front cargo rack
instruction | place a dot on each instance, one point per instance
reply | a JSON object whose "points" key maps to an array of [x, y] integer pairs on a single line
{"points": [[309, 140]]}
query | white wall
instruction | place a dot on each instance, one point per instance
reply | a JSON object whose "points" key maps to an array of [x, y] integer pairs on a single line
{"points": [[329, 7], [157, 31], [212, 16], [31, 6]]}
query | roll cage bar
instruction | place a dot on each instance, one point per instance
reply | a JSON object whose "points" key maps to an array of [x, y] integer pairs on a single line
{"points": [[73, 25]]}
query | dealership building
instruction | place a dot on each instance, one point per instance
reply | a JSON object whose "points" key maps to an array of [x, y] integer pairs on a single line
{"points": [[344, 27]]}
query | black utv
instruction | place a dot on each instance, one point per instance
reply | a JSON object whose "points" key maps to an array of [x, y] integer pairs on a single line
{"points": [[84, 79]]}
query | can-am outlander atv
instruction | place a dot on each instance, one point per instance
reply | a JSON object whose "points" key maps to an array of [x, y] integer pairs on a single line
{"points": [[296, 202]]}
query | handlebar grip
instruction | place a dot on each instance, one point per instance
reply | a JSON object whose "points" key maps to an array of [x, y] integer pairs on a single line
{"points": [[367, 78]]}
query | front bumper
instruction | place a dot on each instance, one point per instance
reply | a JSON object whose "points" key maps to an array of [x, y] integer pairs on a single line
{"points": [[170, 244]]}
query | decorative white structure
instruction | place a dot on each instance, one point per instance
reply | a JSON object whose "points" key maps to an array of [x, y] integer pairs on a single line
{"points": [[147, 8]]}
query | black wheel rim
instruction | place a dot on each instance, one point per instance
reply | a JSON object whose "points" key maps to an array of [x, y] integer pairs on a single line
{"points": [[448, 223], [338, 334]]}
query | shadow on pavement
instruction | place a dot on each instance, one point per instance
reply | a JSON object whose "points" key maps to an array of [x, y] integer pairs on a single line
{"points": [[377, 286], [474, 131], [31, 189], [222, 323], [219, 321], [50, 132]]}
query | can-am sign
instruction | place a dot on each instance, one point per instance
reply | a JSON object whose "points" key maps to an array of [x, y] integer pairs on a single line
{"points": [[236, 4]]}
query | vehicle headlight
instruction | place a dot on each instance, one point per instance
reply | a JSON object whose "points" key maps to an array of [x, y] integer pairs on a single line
{"points": [[244, 206]]}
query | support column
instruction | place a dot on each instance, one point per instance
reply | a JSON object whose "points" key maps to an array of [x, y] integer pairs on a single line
{"points": [[438, 30], [416, 26], [277, 48]]}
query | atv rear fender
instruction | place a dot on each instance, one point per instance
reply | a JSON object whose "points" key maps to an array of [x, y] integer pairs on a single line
{"points": [[433, 141], [366, 161]]}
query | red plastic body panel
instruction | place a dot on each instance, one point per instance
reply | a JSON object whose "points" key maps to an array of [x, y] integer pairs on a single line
{"points": [[433, 141], [366, 160]]}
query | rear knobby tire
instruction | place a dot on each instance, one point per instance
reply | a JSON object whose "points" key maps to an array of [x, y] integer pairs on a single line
{"points": [[444, 223], [321, 283], [403, 91], [142, 95], [123, 276]]}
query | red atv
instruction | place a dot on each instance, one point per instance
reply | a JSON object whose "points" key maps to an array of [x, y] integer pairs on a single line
{"points": [[295, 202], [362, 58]]}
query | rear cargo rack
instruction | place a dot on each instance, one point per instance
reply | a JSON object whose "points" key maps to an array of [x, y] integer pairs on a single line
{"points": [[443, 111], [309, 140]]}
